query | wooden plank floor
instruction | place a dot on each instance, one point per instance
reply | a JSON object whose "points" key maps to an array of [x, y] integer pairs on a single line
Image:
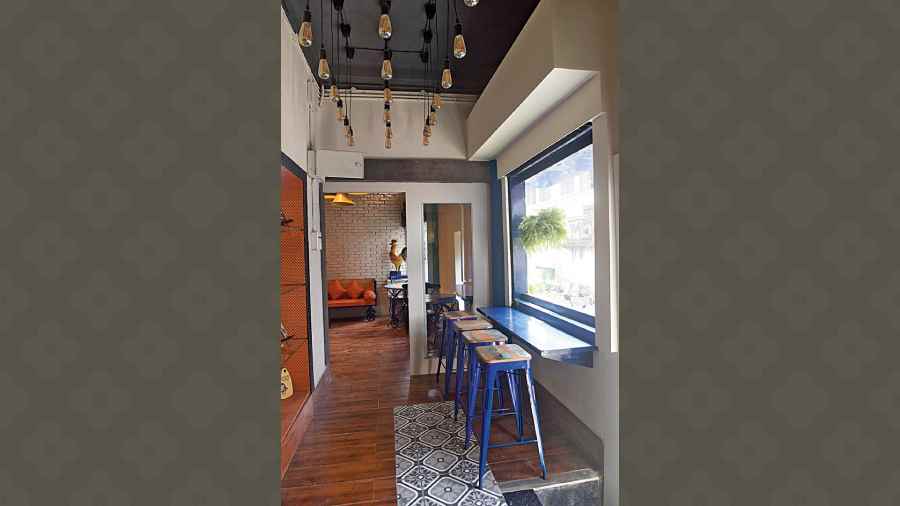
{"points": [[347, 454]]}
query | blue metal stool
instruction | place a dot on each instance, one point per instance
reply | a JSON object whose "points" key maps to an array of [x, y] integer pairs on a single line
{"points": [[442, 350], [469, 341], [513, 360], [454, 346]]}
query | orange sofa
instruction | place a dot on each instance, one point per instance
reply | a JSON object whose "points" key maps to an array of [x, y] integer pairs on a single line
{"points": [[346, 293]]}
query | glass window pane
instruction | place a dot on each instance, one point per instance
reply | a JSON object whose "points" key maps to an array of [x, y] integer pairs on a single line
{"points": [[564, 273]]}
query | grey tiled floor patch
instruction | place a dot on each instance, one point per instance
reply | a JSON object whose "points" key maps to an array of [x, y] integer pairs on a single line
{"points": [[433, 467]]}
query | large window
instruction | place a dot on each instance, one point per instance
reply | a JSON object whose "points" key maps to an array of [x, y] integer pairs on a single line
{"points": [[552, 228]]}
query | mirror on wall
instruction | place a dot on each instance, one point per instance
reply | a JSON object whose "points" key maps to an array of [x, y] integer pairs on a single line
{"points": [[447, 233]]}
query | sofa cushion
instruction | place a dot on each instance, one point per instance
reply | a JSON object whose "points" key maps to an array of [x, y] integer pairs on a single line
{"points": [[336, 290], [347, 303], [354, 291], [369, 296]]}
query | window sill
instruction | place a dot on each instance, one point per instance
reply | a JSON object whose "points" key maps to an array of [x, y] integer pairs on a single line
{"points": [[539, 336]]}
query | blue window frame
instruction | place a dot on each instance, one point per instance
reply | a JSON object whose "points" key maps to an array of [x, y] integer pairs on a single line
{"points": [[556, 282]]}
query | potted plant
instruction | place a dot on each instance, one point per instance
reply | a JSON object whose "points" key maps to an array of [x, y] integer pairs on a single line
{"points": [[546, 229]]}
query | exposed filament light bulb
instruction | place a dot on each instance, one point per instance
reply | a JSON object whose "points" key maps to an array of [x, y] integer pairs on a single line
{"points": [[446, 77], [334, 93], [388, 95], [459, 43], [437, 102], [470, 3], [339, 111], [306, 31], [324, 69], [384, 22], [387, 70]]}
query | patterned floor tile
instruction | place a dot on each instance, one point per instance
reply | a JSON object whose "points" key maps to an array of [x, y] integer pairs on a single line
{"points": [[432, 464], [440, 460]]}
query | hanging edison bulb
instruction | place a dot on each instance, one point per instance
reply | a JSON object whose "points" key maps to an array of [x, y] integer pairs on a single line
{"points": [[470, 3], [446, 77], [432, 116], [426, 139], [427, 130], [324, 69], [346, 127], [334, 92], [350, 140], [459, 43], [437, 102], [306, 31], [388, 96], [384, 22], [387, 70], [339, 111], [387, 112]]}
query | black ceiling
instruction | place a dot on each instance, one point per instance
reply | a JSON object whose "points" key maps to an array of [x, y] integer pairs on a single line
{"points": [[489, 29]]}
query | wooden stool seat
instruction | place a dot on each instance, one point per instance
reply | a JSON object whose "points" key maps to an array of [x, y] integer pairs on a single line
{"points": [[484, 336], [459, 315], [502, 353], [475, 324]]}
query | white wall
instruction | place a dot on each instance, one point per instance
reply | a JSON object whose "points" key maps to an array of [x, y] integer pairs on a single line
{"points": [[576, 110], [407, 120], [418, 194], [592, 394], [296, 137], [295, 73]]}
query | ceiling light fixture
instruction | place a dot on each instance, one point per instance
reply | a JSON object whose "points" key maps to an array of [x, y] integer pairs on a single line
{"points": [[384, 22], [324, 69], [306, 31], [342, 199], [387, 70], [459, 43], [446, 76]]}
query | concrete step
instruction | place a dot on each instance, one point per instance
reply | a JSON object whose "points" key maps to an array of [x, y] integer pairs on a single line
{"points": [[574, 488]]}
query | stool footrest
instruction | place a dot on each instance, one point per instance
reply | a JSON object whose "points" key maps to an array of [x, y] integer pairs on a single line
{"points": [[514, 443]]}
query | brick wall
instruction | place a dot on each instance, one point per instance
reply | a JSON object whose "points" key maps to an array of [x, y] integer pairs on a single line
{"points": [[358, 239]]}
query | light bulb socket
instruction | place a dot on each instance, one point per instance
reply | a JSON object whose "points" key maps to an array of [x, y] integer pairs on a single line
{"points": [[322, 54], [430, 10], [427, 35], [307, 15], [388, 54], [457, 28], [338, 4], [387, 106], [345, 29], [385, 6], [350, 51], [387, 124], [340, 103], [346, 121]]}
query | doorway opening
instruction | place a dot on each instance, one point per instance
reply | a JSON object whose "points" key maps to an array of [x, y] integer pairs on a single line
{"points": [[366, 259]]}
